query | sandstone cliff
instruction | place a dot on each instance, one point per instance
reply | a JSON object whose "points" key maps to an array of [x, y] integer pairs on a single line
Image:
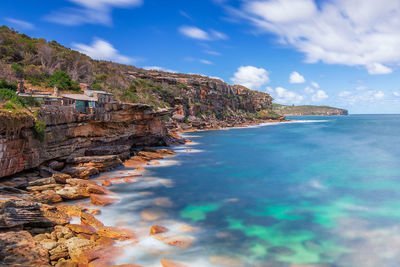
{"points": [[68, 135]]}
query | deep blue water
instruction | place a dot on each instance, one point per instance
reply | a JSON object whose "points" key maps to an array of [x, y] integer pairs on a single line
{"points": [[325, 191]]}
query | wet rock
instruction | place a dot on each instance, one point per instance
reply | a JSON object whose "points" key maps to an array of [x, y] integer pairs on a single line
{"points": [[101, 200], [20, 249], [163, 202], [102, 163], [97, 189], [106, 182], [61, 178], [44, 187], [89, 219], [116, 233], [167, 263], [70, 210], [102, 240], [176, 241], [157, 229], [149, 155], [151, 214], [226, 261], [72, 192], [84, 229], [46, 171]]}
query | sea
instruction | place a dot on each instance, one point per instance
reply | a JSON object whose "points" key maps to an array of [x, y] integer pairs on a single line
{"points": [[317, 191]]}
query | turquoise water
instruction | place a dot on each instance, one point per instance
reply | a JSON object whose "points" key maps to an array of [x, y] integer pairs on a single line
{"points": [[324, 191]]}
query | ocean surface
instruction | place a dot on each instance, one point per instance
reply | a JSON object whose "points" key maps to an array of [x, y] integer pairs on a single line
{"points": [[323, 190]]}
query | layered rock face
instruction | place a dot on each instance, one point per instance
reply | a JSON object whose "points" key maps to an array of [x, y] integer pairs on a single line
{"points": [[113, 130], [207, 98]]}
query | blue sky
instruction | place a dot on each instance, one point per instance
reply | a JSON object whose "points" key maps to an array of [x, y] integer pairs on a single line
{"points": [[337, 52]]}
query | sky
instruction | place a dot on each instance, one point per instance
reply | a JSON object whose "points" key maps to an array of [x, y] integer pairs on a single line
{"points": [[341, 53]]}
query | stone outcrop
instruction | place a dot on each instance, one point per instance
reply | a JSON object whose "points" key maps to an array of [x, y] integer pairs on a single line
{"points": [[77, 139]]}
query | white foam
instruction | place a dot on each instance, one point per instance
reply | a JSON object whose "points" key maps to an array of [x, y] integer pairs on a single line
{"points": [[189, 150]]}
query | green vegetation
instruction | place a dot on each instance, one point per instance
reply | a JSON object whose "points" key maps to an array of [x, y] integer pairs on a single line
{"points": [[4, 84], [39, 130], [62, 80], [13, 101], [307, 110]]}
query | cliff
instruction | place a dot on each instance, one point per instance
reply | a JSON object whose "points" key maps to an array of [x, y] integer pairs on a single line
{"points": [[115, 130], [197, 99], [308, 110]]}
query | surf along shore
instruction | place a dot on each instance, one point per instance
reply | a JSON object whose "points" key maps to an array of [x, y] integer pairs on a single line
{"points": [[54, 220]]}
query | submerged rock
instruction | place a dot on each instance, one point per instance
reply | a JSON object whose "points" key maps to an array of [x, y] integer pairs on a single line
{"points": [[102, 200], [167, 263], [157, 229]]}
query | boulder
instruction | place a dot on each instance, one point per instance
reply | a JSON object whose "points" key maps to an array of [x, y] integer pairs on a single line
{"points": [[43, 181], [84, 229], [20, 249], [46, 171], [73, 192], [48, 197], [89, 219], [157, 229], [81, 172], [66, 263], [61, 232], [61, 251], [56, 165], [106, 182], [77, 247], [61, 178], [116, 233], [101, 200]]}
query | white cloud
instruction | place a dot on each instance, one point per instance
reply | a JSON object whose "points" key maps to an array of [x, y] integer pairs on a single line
{"points": [[347, 32], [361, 88], [320, 95], [296, 77], [309, 90], [378, 68], [284, 96], [251, 77], [360, 97], [20, 24], [315, 84], [344, 94], [90, 11], [205, 61], [379, 95], [213, 53], [157, 68], [396, 94], [103, 50], [199, 34]]}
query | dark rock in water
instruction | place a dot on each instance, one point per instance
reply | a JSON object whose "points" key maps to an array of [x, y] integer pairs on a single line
{"points": [[281, 250], [20, 249], [312, 245]]}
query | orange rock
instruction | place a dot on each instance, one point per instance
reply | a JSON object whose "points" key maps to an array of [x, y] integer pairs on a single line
{"points": [[176, 241], [97, 189], [155, 162], [151, 214], [167, 263], [140, 168], [226, 261], [84, 236], [70, 210], [89, 219], [106, 182], [129, 180], [85, 229], [101, 200], [102, 240], [157, 229], [163, 202], [116, 233]]}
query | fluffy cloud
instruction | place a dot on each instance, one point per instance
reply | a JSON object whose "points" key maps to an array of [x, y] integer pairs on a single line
{"points": [[320, 95], [284, 96], [205, 61], [199, 34], [251, 77], [296, 77], [396, 94], [20, 24], [101, 49], [315, 85], [309, 90], [357, 97], [90, 11], [348, 32]]}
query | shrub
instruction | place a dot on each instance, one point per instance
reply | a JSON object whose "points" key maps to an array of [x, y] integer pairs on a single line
{"points": [[9, 95], [18, 69], [12, 86], [39, 130], [62, 80]]}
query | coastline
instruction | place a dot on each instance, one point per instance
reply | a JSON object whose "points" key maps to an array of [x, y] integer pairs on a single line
{"points": [[79, 236]]}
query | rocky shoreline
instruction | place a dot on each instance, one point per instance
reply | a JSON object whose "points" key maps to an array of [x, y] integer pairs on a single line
{"points": [[42, 224]]}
